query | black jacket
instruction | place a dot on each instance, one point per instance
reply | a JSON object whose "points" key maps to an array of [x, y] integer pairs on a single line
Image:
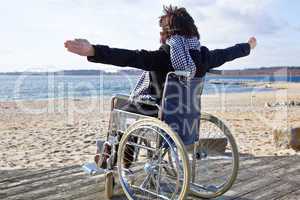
{"points": [[159, 63]]}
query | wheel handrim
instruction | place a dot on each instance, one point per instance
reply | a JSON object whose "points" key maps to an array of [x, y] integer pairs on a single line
{"points": [[216, 170], [156, 182]]}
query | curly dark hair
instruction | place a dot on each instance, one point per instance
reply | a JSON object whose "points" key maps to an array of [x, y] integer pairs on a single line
{"points": [[177, 21]]}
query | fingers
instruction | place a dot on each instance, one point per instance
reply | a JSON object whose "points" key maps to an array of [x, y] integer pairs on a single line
{"points": [[73, 46], [67, 43], [252, 39], [77, 46], [72, 43], [253, 42]]}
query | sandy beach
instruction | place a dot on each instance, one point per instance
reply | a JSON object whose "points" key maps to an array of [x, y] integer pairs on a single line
{"points": [[53, 133]]}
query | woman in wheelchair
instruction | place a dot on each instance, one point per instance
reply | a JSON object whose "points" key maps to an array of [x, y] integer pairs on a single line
{"points": [[180, 50]]}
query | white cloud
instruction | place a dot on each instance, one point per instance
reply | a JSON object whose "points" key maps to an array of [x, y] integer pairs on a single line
{"points": [[36, 30]]}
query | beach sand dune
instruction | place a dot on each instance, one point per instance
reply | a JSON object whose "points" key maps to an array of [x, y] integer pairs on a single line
{"points": [[46, 134]]}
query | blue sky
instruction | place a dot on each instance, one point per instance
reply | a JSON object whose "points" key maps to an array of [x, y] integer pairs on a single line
{"points": [[33, 31]]}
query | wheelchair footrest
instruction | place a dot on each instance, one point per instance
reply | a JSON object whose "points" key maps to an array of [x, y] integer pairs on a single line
{"points": [[92, 169]]}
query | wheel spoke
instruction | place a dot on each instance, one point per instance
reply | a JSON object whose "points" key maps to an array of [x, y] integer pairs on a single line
{"points": [[152, 181], [216, 165]]}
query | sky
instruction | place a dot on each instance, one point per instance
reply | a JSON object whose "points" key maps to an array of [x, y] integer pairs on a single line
{"points": [[33, 31]]}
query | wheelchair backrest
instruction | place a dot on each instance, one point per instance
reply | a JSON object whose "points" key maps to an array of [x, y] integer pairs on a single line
{"points": [[181, 105]]}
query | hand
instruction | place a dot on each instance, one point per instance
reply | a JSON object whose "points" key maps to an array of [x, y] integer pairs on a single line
{"points": [[252, 42], [81, 47]]}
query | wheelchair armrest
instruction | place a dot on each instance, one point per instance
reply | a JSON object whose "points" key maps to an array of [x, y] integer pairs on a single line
{"points": [[118, 96], [121, 96]]}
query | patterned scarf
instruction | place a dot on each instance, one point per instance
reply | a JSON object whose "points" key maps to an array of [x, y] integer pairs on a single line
{"points": [[181, 61]]}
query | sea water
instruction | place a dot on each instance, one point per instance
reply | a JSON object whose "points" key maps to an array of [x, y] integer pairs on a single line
{"points": [[32, 87]]}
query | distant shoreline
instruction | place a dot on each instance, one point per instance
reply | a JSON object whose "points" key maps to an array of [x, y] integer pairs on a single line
{"points": [[259, 72], [34, 87]]}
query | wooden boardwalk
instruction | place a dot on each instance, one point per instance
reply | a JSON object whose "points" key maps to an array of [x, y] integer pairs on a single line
{"points": [[259, 178]]}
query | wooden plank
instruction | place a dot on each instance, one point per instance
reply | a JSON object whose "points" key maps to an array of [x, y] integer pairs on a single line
{"points": [[261, 170], [245, 164], [61, 187], [18, 182], [100, 196], [249, 171], [291, 196], [256, 175], [262, 179], [30, 174], [45, 183], [276, 189], [95, 191], [75, 193]]}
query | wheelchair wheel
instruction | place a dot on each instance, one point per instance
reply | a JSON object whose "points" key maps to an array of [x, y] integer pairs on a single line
{"points": [[144, 175], [109, 185], [216, 160]]}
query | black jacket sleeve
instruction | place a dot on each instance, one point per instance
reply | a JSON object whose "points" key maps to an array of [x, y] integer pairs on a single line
{"points": [[220, 56], [140, 59]]}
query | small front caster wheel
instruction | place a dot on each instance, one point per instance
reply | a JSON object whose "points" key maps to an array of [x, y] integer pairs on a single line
{"points": [[109, 185]]}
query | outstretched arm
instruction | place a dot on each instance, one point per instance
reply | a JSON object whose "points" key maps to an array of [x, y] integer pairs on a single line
{"points": [[219, 57], [141, 59]]}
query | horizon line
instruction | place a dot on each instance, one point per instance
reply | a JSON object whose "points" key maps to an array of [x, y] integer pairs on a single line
{"points": [[134, 69]]}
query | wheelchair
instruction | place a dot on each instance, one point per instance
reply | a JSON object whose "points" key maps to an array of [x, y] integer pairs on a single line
{"points": [[181, 152]]}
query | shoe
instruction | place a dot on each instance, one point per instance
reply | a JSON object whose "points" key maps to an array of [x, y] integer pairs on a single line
{"points": [[102, 159]]}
